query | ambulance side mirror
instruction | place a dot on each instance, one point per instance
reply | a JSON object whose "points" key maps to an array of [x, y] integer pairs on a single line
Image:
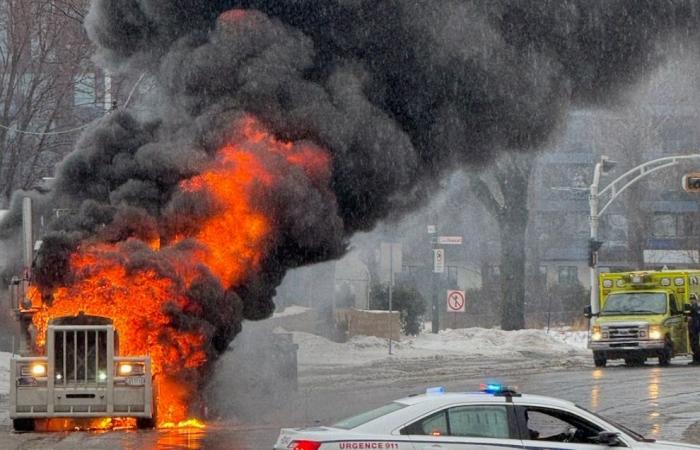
{"points": [[588, 312]]}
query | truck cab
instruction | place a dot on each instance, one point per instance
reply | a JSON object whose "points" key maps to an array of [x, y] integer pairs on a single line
{"points": [[81, 376], [641, 316]]}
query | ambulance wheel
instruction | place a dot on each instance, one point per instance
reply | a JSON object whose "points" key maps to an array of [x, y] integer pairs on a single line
{"points": [[666, 354], [143, 423], [599, 359], [23, 424]]}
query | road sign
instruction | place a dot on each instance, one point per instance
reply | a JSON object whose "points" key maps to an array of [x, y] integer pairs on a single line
{"points": [[438, 260], [691, 182], [456, 301], [449, 240]]}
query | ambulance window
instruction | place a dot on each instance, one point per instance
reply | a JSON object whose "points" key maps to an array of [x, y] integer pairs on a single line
{"points": [[674, 305], [479, 421], [434, 425]]}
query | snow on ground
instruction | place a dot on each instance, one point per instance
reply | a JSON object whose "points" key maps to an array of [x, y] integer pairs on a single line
{"points": [[468, 343], [292, 310]]}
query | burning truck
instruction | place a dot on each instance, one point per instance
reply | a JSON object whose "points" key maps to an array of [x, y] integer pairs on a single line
{"points": [[80, 375]]}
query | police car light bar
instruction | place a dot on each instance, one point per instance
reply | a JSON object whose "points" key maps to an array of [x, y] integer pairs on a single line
{"points": [[498, 389], [435, 390]]}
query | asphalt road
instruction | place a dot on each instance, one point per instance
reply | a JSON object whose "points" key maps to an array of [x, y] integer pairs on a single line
{"points": [[659, 402]]}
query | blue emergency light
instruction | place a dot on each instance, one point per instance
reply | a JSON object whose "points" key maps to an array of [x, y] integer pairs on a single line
{"points": [[492, 388], [435, 390], [498, 389]]}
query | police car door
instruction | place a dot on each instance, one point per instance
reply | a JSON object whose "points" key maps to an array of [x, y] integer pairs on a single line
{"points": [[548, 428], [484, 427]]}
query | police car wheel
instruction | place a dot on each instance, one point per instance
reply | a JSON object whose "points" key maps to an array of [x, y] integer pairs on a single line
{"points": [[23, 424], [599, 359]]}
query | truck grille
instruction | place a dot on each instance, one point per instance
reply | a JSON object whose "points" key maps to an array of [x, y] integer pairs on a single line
{"points": [[622, 332], [80, 356]]}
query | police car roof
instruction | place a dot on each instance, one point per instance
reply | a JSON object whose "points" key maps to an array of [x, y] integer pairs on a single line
{"points": [[452, 397]]}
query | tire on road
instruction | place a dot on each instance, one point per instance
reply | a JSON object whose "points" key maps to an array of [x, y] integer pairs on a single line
{"points": [[599, 359], [23, 424], [666, 354], [143, 423]]}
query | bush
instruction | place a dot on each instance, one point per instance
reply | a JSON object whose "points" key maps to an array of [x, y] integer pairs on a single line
{"points": [[405, 299]]}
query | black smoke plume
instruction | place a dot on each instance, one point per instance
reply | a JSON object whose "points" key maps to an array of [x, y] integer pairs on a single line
{"points": [[398, 92]]}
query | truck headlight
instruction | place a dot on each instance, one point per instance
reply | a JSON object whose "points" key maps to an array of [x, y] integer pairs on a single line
{"points": [[125, 369], [595, 333], [655, 332], [38, 370]]}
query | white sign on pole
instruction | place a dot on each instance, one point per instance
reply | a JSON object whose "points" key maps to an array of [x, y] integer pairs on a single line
{"points": [[432, 229], [450, 240], [438, 260], [456, 301]]}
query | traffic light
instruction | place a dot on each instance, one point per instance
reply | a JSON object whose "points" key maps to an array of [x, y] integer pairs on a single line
{"points": [[691, 182], [593, 246]]}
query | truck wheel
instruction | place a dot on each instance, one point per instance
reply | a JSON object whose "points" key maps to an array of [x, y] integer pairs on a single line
{"points": [[143, 423], [666, 354], [23, 424], [599, 359]]}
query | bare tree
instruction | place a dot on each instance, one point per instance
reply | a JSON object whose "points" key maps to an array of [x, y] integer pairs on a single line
{"points": [[44, 59], [503, 190]]}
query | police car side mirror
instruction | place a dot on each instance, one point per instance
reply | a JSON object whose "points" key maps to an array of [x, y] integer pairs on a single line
{"points": [[608, 438]]}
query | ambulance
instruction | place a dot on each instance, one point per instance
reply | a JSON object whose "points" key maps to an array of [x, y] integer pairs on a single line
{"points": [[642, 315]]}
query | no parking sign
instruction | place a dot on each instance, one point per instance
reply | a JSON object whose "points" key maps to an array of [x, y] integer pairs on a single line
{"points": [[456, 301]]}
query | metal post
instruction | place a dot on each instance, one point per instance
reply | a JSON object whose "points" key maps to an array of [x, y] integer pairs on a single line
{"points": [[391, 286], [593, 203], [436, 310]]}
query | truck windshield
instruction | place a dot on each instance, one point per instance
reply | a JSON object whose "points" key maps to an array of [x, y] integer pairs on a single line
{"points": [[635, 303]]}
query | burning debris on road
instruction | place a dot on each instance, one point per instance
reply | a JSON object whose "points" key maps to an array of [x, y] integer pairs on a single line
{"points": [[278, 129]]}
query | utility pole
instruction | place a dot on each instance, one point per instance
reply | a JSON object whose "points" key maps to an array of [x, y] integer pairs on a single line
{"points": [[433, 233], [391, 288]]}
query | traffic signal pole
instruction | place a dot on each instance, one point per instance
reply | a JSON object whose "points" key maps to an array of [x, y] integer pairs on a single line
{"points": [[608, 194]]}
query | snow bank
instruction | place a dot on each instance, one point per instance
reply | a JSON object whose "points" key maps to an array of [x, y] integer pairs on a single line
{"points": [[467, 343], [291, 310]]}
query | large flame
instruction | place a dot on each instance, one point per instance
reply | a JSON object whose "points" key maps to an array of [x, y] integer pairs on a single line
{"points": [[231, 242]]}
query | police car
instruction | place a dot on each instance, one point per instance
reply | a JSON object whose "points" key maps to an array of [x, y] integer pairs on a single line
{"points": [[495, 418]]}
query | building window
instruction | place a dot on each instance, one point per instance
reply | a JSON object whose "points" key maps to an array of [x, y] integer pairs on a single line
{"points": [[568, 275], [84, 92], [542, 275], [665, 226]]}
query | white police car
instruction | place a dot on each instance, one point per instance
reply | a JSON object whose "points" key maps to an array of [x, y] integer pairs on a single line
{"points": [[496, 418]]}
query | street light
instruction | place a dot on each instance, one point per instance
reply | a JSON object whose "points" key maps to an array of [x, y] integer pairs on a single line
{"points": [[605, 165]]}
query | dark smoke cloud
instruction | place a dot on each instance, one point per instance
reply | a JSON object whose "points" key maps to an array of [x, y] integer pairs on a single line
{"points": [[399, 92]]}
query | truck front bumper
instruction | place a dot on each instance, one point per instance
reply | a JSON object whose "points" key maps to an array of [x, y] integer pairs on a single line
{"points": [[35, 402], [622, 348]]}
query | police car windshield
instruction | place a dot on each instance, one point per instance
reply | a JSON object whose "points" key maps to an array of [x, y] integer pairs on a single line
{"points": [[361, 419], [635, 303], [633, 434]]}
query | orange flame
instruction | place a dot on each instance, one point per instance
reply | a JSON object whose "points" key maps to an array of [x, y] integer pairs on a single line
{"points": [[232, 242]]}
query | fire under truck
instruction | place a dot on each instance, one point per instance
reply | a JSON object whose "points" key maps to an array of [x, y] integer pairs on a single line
{"points": [[80, 375]]}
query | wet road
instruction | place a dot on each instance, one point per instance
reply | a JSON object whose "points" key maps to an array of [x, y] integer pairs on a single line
{"points": [[659, 402]]}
